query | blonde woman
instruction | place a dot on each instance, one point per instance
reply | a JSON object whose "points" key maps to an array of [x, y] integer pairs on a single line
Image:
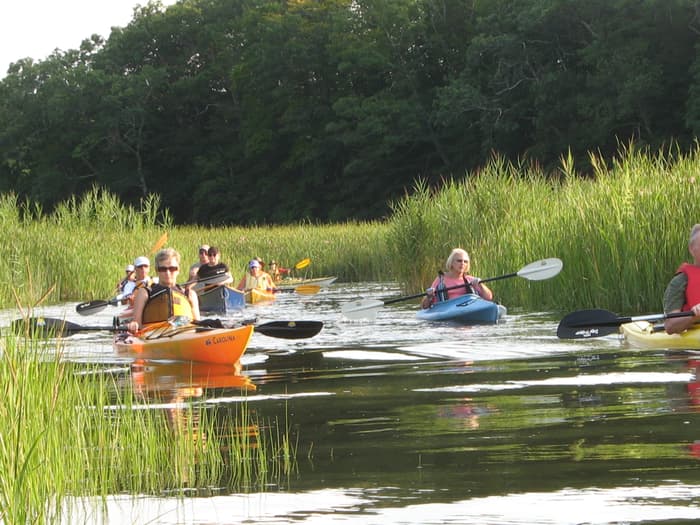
{"points": [[456, 281]]}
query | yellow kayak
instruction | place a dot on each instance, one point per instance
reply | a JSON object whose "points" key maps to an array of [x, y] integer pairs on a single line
{"points": [[256, 296], [641, 334]]}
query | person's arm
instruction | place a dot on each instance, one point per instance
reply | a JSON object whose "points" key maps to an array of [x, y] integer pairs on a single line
{"points": [[194, 302], [674, 299], [241, 285], [481, 289], [140, 296], [429, 295]]}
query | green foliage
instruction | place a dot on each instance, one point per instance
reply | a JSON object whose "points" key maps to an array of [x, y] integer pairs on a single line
{"points": [[621, 235], [278, 112]]}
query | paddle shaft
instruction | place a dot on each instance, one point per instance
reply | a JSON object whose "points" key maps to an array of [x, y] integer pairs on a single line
{"points": [[416, 296]]}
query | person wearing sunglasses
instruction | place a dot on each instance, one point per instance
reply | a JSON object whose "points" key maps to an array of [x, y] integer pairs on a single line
{"points": [[166, 298], [456, 278], [215, 268]]}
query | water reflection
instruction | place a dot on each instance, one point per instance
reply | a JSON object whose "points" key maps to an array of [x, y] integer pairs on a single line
{"points": [[399, 421]]}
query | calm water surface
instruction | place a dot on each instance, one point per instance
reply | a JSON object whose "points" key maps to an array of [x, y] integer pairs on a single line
{"points": [[402, 422]]}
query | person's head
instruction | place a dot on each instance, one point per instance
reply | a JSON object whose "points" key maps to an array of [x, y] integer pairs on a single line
{"points": [[129, 270], [204, 253], [213, 254], [694, 243], [142, 265], [458, 261], [273, 265], [168, 266], [254, 267]]}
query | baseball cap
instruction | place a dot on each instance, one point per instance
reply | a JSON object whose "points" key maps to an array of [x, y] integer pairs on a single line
{"points": [[141, 261], [129, 268]]}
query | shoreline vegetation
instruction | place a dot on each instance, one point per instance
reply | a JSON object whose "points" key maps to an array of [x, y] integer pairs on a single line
{"points": [[75, 434], [621, 233]]}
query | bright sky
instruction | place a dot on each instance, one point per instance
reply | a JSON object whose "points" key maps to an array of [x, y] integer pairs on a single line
{"points": [[34, 28]]}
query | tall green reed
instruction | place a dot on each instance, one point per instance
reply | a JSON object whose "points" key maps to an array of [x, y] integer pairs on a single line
{"points": [[70, 431]]}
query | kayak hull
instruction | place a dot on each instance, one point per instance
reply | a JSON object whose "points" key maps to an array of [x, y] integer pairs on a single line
{"points": [[318, 281], [221, 300], [466, 309], [256, 296], [162, 341], [641, 334]]}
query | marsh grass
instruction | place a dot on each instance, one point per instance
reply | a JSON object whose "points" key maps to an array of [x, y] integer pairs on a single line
{"points": [[69, 432], [621, 232]]}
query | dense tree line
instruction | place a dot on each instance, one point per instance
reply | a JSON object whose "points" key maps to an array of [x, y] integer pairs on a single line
{"points": [[239, 111]]}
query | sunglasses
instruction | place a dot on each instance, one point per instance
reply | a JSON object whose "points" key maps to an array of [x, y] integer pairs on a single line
{"points": [[168, 269], [203, 251]]}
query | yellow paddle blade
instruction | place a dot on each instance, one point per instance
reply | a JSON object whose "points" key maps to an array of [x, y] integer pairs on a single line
{"points": [[302, 264], [307, 289], [159, 243]]}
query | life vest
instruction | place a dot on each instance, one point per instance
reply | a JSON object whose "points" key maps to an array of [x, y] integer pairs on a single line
{"points": [[442, 291], [692, 291], [164, 303], [262, 282]]}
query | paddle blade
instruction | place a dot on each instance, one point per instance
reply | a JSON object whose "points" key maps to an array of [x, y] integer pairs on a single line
{"points": [[91, 307], [307, 289], [541, 270], [362, 309], [290, 329], [51, 327], [159, 243], [302, 264], [585, 324]]}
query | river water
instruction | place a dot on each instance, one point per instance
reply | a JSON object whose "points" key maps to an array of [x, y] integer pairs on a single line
{"points": [[397, 421]]}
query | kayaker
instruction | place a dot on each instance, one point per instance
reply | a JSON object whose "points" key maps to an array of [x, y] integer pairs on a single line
{"points": [[683, 291], [214, 267], [456, 281], [166, 298], [130, 277], [276, 271], [256, 278], [203, 259]]}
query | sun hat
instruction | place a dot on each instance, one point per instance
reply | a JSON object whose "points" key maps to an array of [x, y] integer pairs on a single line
{"points": [[129, 268], [141, 261], [253, 264]]}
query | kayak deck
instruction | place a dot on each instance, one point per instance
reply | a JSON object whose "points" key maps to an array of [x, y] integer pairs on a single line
{"points": [[642, 334], [465, 309], [190, 342]]}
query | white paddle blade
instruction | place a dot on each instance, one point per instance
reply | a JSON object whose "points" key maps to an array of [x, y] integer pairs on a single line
{"points": [[542, 269], [361, 309]]}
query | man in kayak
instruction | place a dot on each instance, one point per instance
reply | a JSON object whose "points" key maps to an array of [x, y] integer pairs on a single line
{"points": [[214, 268], [456, 281], [203, 259], [683, 291], [166, 298]]}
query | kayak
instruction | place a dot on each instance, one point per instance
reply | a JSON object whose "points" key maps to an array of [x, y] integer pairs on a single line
{"points": [[318, 281], [220, 299], [256, 296], [465, 309], [642, 334], [189, 342]]}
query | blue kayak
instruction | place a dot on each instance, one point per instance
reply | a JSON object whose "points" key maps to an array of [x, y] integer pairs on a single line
{"points": [[220, 299], [465, 309]]}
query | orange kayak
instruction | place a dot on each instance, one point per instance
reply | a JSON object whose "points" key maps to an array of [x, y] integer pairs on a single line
{"points": [[162, 341]]}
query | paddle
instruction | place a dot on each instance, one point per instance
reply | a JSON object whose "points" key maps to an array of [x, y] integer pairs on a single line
{"points": [[585, 324], [48, 326], [302, 289], [302, 264], [536, 271], [93, 307]]}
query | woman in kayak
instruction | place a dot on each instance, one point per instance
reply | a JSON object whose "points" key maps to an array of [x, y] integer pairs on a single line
{"points": [[256, 278], [165, 299], [456, 281]]}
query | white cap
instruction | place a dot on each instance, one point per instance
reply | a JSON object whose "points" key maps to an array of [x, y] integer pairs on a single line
{"points": [[129, 268], [141, 261]]}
